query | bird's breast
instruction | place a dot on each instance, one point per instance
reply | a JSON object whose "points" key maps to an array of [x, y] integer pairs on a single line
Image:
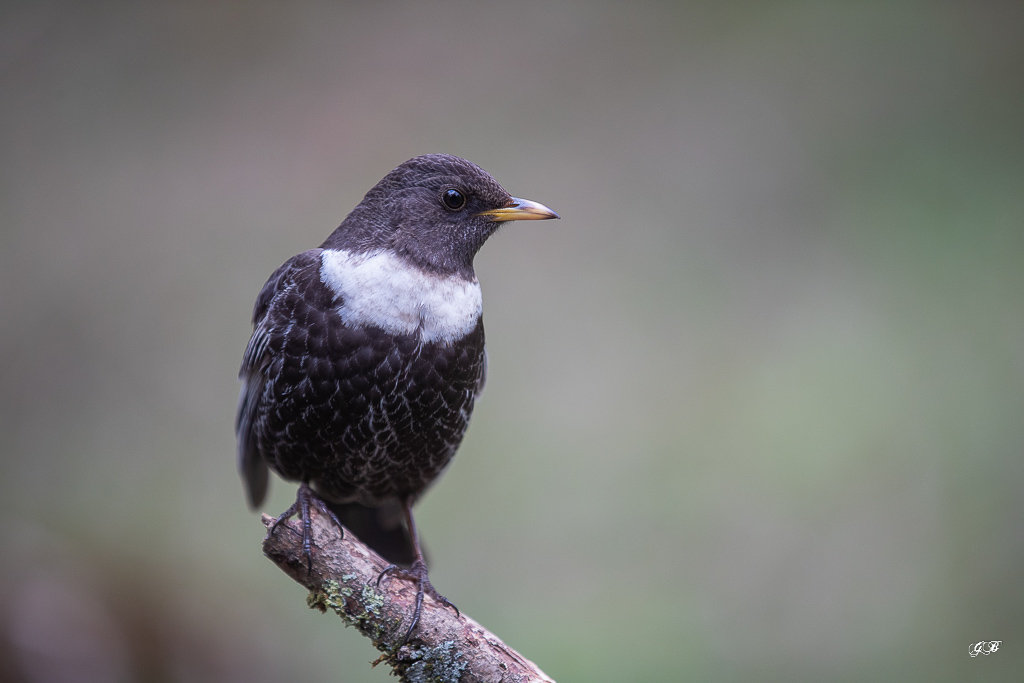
{"points": [[381, 289]]}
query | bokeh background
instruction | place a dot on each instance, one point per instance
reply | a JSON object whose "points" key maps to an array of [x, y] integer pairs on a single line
{"points": [[756, 403]]}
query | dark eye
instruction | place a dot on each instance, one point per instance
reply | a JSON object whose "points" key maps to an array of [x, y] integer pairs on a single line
{"points": [[453, 199]]}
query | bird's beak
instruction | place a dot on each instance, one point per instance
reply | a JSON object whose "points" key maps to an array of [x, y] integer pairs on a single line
{"points": [[520, 210]]}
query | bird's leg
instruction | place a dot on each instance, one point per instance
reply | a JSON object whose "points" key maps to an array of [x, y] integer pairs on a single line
{"points": [[417, 573], [303, 498]]}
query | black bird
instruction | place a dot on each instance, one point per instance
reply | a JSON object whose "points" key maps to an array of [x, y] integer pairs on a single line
{"points": [[368, 353]]}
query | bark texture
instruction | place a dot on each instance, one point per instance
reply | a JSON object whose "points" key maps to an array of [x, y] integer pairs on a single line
{"points": [[444, 648]]}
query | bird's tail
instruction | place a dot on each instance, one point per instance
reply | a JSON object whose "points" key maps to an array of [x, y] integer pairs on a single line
{"points": [[382, 528]]}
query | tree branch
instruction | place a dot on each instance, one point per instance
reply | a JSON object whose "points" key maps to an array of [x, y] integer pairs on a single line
{"points": [[443, 648]]}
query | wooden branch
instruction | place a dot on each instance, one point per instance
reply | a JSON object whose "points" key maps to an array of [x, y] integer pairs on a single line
{"points": [[443, 648]]}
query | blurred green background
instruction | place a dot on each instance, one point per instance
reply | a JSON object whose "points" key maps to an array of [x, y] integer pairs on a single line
{"points": [[756, 404]]}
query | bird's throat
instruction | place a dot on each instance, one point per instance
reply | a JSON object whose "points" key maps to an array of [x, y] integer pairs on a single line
{"points": [[382, 289]]}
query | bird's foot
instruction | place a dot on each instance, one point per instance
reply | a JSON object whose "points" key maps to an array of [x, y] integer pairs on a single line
{"points": [[305, 497], [417, 573]]}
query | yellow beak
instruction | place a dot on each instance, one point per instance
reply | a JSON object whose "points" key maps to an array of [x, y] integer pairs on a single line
{"points": [[520, 210]]}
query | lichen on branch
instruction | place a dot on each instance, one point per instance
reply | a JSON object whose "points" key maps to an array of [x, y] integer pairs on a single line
{"points": [[342, 577]]}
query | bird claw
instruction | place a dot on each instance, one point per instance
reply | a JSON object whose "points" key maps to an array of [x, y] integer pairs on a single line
{"points": [[305, 497], [417, 573], [384, 572]]}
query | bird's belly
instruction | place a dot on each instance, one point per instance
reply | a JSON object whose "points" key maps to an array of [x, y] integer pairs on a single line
{"points": [[369, 421]]}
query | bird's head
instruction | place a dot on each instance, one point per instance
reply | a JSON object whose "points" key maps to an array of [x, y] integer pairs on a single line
{"points": [[436, 211]]}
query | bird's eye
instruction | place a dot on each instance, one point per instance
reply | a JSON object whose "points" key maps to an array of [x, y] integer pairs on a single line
{"points": [[453, 199]]}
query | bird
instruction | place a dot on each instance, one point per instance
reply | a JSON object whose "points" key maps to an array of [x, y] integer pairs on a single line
{"points": [[367, 356]]}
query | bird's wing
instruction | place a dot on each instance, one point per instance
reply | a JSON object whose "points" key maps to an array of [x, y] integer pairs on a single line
{"points": [[251, 464], [482, 382]]}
